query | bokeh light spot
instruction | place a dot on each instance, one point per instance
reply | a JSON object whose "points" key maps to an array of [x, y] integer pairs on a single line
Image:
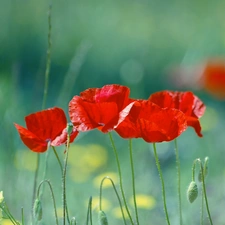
{"points": [[132, 71], [209, 120], [118, 214], [106, 205], [26, 160], [144, 201], [107, 183], [84, 160]]}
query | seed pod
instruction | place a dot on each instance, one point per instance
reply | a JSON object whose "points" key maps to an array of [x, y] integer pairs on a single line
{"points": [[192, 192], [102, 218], [37, 210]]}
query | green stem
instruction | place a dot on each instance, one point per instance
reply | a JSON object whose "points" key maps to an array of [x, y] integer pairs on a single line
{"points": [[133, 180], [22, 215], [47, 70], [6, 210], [178, 180], [45, 169], [35, 179], [48, 63], [162, 182], [202, 205], [89, 212], [57, 157], [65, 211], [193, 171], [61, 168], [120, 177], [204, 191], [117, 195], [53, 197]]}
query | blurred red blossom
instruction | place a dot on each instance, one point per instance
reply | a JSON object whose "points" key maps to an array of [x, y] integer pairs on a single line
{"points": [[46, 126], [153, 124], [207, 75], [212, 79], [187, 102], [100, 108]]}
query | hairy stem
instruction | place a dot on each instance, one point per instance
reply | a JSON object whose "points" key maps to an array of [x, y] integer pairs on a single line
{"points": [[53, 197], [178, 181], [133, 181], [117, 195], [47, 70], [162, 183], [120, 177]]}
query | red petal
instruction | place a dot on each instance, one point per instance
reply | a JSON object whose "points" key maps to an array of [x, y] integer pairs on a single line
{"points": [[86, 116], [62, 138], [108, 93], [154, 124], [187, 102], [193, 122], [47, 124], [31, 140], [126, 126], [98, 107]]}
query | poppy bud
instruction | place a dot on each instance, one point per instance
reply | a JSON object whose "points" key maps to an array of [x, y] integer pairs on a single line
{"points": [[102, 218], [37, 210], [1, 197], [73, 221], [69, 128], [192, 192]]}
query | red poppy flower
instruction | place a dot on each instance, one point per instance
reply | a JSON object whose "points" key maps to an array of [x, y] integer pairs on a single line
{"points": [[213, 78], [45, 126], [154, 124], [187, 102], [100, 108]]}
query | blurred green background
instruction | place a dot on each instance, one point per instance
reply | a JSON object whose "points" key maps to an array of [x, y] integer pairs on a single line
{"points": [[143, 44]]}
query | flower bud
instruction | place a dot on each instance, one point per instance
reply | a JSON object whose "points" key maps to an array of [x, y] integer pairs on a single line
{"points": [[1, 197], [192, 192], [73, 221], [37, 210], [102, 218], [69, 128]]}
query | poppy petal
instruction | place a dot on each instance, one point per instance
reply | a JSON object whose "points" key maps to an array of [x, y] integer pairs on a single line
{"points": [[99, 107], [108, 93], [47, 124], [187, 102], [193, 122], [153, 124], [86, 116], [62, 138], [31, 140], [166, 126]]}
